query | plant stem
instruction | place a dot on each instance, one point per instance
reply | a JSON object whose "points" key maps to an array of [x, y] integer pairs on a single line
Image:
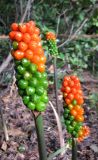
{"points": [[40, 135], [55, 83], [74, 149]]}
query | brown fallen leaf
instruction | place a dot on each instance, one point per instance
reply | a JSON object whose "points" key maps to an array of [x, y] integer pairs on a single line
{"points": [[15, 132], [4, 146]]}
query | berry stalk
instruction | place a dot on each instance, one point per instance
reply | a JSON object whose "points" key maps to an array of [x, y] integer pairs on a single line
{"points": [[52, 46]]}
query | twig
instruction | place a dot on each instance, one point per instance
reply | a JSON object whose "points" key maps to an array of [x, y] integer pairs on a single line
{"points": [[58, 22], [71, 38], [59, 127], [21, 7], [59, 18], [5, 63], [4, 125], [4, 37], [87, 36], [81, 25], [16, 14], [26, 10]]}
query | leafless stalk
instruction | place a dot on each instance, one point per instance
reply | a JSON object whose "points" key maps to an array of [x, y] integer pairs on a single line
{"points": [[59, 126]]}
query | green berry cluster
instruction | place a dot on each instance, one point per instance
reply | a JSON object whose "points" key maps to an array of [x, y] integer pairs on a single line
{"points": [[72, 126], [32, 85], [53, 47]]}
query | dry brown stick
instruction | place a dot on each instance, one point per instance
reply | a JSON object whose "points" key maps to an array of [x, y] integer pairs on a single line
{"points": [[90, 81], [5, 63], [87, 36], [4, 37], [4, 125], [26, 10], [76, 33]]}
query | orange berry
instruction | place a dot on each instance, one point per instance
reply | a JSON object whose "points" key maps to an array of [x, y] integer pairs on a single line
{"points": [[36, 30], [39, 50], [80, 100], [67, 101], [28, 54], [70, 106], [43, 59], [41, 67], [14, 26], [18, 54], [71, 83], [65, 83], [50, 35], [80, 133], [32, 46], [12, 35], [36, 59], [32, 23], [73, 90], [30, 28], [70, 96], [22, 46], [73, 112], [22, 28], [81, 111], [67, 78], [26, 37], [35, 38], [79, 118], [67, 89], [18, 36]]}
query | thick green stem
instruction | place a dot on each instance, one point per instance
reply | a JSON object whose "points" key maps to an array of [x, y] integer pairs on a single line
{"points": [[40, 136], [74, 149], [55, 83]]}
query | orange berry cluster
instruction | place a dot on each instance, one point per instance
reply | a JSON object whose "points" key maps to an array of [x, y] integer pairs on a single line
{"points": [[27, 44], [51, 38], [84, 132], [73, 97]]}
